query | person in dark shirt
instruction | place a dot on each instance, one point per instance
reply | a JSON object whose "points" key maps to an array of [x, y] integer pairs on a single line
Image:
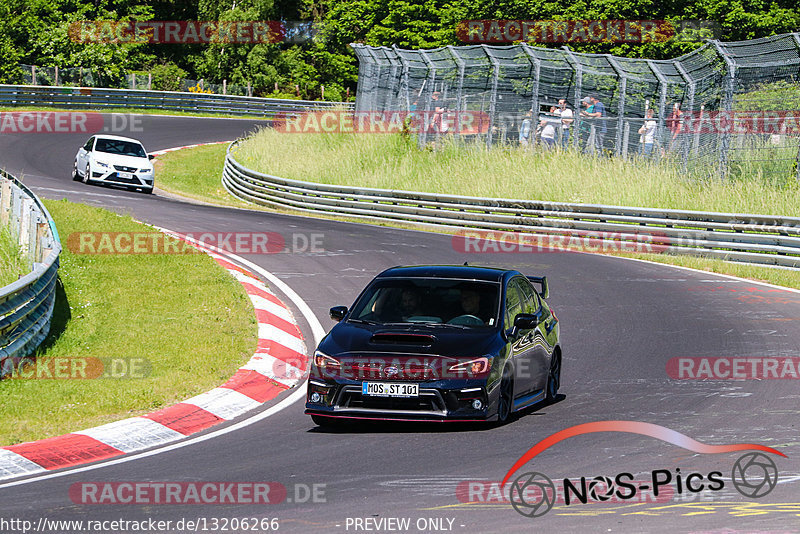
{"points": [[599, 112]]}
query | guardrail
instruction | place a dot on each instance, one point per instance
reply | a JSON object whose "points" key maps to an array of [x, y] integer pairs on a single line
{"points": [[94, 98], [760, 239], [26, 306]]}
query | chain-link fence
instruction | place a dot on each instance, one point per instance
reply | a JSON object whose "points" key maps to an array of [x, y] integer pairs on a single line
{"points": [[725, 109]]}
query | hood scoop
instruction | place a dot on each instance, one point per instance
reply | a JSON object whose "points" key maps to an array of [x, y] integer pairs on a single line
{"points": [[399, 338]]}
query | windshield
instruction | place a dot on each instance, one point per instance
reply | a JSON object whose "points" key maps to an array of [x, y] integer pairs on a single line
{"points": [[463, 303], [123, 148]]}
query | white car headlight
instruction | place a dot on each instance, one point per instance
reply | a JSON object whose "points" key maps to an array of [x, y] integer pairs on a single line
{"points": [[146, 170], [100, 163]]}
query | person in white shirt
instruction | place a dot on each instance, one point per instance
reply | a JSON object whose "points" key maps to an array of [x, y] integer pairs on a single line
{"points": [[567, 118], [548, 126], [647, 133]]}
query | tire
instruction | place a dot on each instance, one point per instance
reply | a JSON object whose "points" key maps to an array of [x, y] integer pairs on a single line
{"points": [[554, 377], [147, 190], [87, 174], [75, 176], [505, 401]]}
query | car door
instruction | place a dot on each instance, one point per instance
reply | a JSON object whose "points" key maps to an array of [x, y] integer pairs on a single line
{"points": [[522, 342], [540, 352]]}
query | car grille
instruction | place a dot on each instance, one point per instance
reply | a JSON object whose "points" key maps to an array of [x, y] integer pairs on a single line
{"points": [[133, 180], [389, 371], [125, 169], [429, 400]]}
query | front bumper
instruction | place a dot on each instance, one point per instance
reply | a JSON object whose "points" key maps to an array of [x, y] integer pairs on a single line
{"points": [[115, 177], [450, 400]]}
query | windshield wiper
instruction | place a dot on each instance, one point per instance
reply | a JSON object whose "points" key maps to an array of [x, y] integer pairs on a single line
{"points": [[363, 321]]}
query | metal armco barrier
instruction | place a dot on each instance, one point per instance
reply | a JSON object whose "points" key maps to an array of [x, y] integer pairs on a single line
{"points": [[26, 306], [760, 239], [94, 98]]}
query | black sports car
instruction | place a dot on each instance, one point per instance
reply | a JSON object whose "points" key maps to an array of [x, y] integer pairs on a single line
{"points": [[443, 343]]}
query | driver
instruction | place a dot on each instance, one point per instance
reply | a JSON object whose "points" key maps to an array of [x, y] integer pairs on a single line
{"points": [[470, 302], [410, 303]]}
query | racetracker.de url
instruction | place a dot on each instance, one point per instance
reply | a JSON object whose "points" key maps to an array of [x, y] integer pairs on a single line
{"points": [[125, 526]]}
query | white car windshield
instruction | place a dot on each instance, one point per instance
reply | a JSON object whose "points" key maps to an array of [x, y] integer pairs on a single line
{"points": [[122, 148]]}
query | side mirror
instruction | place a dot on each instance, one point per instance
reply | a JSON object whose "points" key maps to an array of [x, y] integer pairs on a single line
{"points": [[525, 321], [338, 313], [150, 156]]}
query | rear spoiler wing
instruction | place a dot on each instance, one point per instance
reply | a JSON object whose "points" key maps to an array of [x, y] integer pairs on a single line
{"points": [[542, 281]]}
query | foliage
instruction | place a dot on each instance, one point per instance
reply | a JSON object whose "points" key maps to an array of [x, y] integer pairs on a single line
{"points": [[36, 32], [167, 77]]}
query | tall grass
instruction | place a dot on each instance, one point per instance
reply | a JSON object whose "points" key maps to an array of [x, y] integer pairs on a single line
{"points": [[395, 162], [12, 264]]}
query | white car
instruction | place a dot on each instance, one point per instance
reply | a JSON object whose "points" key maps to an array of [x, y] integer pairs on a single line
{"points": [[110, 159]]}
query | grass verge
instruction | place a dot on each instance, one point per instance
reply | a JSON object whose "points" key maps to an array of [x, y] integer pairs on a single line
{"points": [[12, 264], [394, 162], [391, 162], [184, 316]]}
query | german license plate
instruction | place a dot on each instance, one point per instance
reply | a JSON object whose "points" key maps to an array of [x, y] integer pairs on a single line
{"points": [[389, 389], [126, 175]]}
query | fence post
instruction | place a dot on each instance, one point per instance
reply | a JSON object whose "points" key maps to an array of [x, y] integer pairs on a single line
{"points": [[133, 81], [493, 94], [428, 86], [621, 89], [727, 106], [576, 125], [56, 80], [690, 89], [537, 70], [403, 79], [459, 90], [626, 136], [5, 202], [33, 74], [149, 81], [696, 138], [662, 97]]}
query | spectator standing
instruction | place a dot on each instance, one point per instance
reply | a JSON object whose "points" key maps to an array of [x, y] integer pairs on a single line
{"points": [[599, 112], [675, 125], [548, 126], [525, 130], [567, 118], [647, 133], [586, 126]]}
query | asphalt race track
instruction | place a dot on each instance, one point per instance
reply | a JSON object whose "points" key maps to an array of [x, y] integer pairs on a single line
{"points": [[621, 322]]}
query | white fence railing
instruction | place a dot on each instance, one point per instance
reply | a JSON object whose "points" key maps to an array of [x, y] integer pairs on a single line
{"points": [[26, 306], [760, 239]]}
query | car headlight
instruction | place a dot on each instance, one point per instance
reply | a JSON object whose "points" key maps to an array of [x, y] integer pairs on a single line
{"points": [[146, 170], [472, 368], [100, 164], [323, 361]]}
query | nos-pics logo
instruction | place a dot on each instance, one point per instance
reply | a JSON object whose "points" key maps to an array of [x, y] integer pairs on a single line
{"points": [[533, 494]]}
